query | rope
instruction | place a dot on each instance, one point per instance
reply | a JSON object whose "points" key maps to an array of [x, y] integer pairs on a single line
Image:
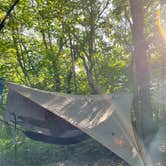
{"points": [[11, 125]]}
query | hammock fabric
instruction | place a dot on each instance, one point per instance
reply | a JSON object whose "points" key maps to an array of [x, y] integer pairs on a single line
{"points": [[105, 118]]}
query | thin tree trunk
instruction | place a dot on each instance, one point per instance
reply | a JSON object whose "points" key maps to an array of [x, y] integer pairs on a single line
{"points": [[89, 65], [73, 52], [93, 86], [55, 64], [20, 61], [68, 81]]}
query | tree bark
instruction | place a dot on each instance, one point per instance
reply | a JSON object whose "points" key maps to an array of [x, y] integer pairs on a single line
{"points": [[142, 103]]}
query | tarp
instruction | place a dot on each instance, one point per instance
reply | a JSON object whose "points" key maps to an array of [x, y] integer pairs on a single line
{"points": [[39, 123], [106, 118]]}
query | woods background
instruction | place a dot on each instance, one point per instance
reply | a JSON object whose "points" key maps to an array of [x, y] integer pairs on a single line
{"points": [[88, 47]]}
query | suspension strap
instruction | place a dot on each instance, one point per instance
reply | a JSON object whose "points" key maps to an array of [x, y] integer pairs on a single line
{"points": [[2, 84], [15, 140]]}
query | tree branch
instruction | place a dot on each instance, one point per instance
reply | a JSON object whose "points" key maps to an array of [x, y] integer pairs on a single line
{"points": [[8, 13]]}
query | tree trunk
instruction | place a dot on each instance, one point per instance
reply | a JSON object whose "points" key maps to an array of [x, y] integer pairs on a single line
{"points": [[142, 104], [89, 66], [20, 57], [73, 53]]}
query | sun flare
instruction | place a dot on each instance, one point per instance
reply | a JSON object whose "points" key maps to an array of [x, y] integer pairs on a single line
{"points": [[160, 27]]}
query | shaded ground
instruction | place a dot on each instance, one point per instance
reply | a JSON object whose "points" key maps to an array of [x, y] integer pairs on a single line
{"points": [[98, 162], [87, 153]]}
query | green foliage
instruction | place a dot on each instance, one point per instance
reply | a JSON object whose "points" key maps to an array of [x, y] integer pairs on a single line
{"points": [[55, 45], [70, 46], [40, 49]]}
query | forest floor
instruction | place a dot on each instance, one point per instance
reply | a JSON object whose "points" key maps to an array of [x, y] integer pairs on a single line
{"points": [[87, 153], [92, 162]]}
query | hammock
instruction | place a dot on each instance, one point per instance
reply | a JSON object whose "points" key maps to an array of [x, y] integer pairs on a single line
{"points": [[39, 123], [73, 118]]}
